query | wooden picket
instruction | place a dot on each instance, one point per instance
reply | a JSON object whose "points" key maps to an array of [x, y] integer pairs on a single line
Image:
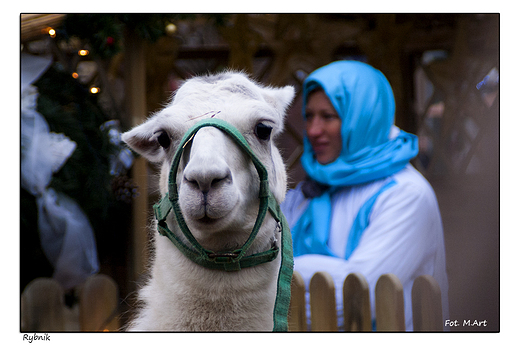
{"points": [[389, 304], [298, 310], [427, 304], [322, 302], [43, 306], [98, 303], [356, 304]]}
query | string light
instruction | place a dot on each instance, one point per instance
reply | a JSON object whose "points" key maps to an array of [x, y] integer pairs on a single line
{"points": [[83, 52], [50, 31], [75, 75], [171, 29], [94, 90]]}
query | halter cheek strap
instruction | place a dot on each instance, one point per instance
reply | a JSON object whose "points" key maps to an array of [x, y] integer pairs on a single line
{"points": [[234, 260]]}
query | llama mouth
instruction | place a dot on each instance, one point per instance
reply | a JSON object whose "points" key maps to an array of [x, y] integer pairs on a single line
{"points": [[206, 220]]}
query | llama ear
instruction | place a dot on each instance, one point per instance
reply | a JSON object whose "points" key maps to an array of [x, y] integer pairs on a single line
{"points": [[280, 98], [143, 141]]}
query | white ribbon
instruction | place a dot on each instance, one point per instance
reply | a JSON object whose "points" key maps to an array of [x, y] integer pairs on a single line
{"points": [[65, 232]]}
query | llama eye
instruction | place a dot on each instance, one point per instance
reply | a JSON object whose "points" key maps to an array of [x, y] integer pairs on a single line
{"points": [[263, 131], [164, 140]]}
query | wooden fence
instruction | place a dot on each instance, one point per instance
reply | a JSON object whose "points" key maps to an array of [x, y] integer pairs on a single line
{"points": [[389, 302], [43, 307]]}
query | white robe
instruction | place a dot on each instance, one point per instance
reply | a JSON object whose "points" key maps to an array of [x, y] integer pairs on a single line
{"points": [[404, 237]]}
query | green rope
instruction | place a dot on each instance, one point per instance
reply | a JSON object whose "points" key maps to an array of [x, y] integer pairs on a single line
{"points": [[283, 294], [234, 260]]}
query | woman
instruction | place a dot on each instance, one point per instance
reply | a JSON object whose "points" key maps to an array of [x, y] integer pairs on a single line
{"points": [[363, 208]]}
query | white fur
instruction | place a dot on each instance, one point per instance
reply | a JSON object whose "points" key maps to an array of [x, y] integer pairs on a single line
{"points": [[218, 183]]}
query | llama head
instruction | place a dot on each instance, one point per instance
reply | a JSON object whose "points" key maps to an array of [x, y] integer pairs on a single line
{"points": [[218, 185]]}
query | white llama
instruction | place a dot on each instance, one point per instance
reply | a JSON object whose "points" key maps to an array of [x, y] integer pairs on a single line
{"points": [[218, 194]]}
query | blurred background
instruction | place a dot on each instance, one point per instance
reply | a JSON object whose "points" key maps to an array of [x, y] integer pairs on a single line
{"points": [[93, 76]]}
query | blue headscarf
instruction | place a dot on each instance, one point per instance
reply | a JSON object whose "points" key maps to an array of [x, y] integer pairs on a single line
{"points": [[363, 99]]}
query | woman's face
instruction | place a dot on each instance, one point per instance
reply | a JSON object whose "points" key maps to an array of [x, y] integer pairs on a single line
{"points": [[323, 127]]}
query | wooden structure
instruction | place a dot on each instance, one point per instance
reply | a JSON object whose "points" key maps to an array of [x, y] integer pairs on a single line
{"points": [[43, 308], [426, 304]]}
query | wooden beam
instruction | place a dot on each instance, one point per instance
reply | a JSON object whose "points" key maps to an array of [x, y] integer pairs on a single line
{"points": [[31, 25], [135, 75]]}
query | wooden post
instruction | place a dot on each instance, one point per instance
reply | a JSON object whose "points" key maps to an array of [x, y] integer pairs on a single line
{"points": [[356, 304], [297, 309], [98, 304], [43, 306], [323, 303], [389, 304], [135, 80], [426, 304]]}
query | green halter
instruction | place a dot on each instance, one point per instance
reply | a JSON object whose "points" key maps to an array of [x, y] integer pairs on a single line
{"points": [[236, 259]]}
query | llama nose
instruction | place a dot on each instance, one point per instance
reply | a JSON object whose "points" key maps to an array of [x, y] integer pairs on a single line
{"points": [[208, 176]]}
